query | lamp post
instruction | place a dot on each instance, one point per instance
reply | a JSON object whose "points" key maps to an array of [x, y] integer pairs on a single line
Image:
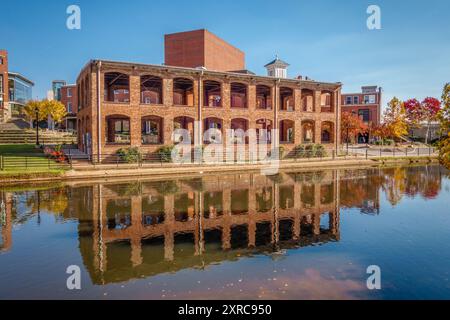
{"points": [[36, 110]]}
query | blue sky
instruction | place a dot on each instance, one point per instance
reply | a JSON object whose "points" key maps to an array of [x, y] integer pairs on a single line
{"points": [[326, 40]]}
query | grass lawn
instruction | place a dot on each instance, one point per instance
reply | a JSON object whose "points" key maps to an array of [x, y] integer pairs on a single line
{"points": [[19, 148], [21, 161]]}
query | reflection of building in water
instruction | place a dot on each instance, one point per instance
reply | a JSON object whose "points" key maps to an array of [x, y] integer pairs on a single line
{"points": [[360, 188], [6, 221], [148, 228]]}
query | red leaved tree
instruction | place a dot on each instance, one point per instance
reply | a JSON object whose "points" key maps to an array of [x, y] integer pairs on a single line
{"points": [[423, 112]]}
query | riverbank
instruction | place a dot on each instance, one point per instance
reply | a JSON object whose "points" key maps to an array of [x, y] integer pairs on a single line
{"points": [[106, 172]]}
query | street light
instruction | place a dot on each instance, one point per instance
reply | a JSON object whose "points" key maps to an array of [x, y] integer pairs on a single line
{"points": [[36, 110]]}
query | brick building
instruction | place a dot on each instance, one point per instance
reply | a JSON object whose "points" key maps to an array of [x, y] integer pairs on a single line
{"points": [[201, 48], [69, 98], [129, 104], [3, 85], [366, 105]]}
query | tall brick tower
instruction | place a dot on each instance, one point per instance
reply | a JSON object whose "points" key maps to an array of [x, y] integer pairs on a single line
{"points": [[3, 85], [201, 48]]}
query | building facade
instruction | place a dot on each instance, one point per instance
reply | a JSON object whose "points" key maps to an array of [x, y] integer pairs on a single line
{"points": [[366, 105], [20, 92], [69, 98], [3, 86], [136, 105], [125, 104], [56, 89]]}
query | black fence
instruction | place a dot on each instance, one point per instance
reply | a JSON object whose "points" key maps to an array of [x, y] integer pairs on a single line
{"points": [[33, 162], [246, 157]]}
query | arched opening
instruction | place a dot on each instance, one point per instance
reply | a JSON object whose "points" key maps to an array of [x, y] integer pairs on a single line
{"points": [[287, 131], [264, 131], [212, 93], [152, 130], [286, 99], [307, 100], [117, 129], [238, 95], [239, 129], [308, 132], [183, 92], [327, 132], [117, 87], [151, 90], [184, 123], [213, 130], [326, 101], [263, 97]]}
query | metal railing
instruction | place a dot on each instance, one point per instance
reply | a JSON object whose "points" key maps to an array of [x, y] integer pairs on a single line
{"points": [[26, 162], [164, 159]]}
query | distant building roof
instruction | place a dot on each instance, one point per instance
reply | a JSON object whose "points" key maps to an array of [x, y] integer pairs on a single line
{"points": [[21, 77], [278, 62], [243, 72]]}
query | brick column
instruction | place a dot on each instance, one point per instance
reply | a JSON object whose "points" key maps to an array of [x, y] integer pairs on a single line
{"points": [[167, 130], [135, 117], [318, 131], [168, 92], [317, 101]]}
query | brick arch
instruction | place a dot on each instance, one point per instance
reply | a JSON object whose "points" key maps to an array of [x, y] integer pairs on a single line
{"points": [[117, 129], [238, 94], [116, 86], [308, 131], [152, 129], [327, 132], [151, 89], [183, 91]]}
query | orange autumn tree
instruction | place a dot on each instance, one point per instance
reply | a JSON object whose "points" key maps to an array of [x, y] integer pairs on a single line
{"points": [[444, 118], [395, 119], [351, 126]]}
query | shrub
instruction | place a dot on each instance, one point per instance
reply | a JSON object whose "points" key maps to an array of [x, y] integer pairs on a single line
{"points": [[129, 155], [165, 153], [310, 151]]}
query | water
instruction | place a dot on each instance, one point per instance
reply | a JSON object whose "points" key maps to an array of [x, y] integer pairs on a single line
{"points": [[296, 235]]}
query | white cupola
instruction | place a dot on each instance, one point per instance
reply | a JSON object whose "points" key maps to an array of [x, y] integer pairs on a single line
{"points": [[277, 68]]}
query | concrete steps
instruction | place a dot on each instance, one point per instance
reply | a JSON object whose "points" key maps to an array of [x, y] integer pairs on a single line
{"points": [[28, 136]]}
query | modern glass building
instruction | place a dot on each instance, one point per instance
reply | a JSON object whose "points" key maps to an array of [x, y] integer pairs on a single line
{"points": [[20, 92], [56, 88]]}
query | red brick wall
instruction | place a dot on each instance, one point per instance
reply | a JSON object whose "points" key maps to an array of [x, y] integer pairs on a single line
{"points": [[202, 48], [65, 99], [4, 72], [374, 109]]}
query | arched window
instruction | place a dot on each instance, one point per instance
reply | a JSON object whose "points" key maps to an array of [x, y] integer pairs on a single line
{"points": [[307, 100], [183, 92], [308, 132], [118, 129], [212, 93], [151, 90], [117, 87], [238, 95], [286, 99], [287, 131], [152, 130], [263, 97]]}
